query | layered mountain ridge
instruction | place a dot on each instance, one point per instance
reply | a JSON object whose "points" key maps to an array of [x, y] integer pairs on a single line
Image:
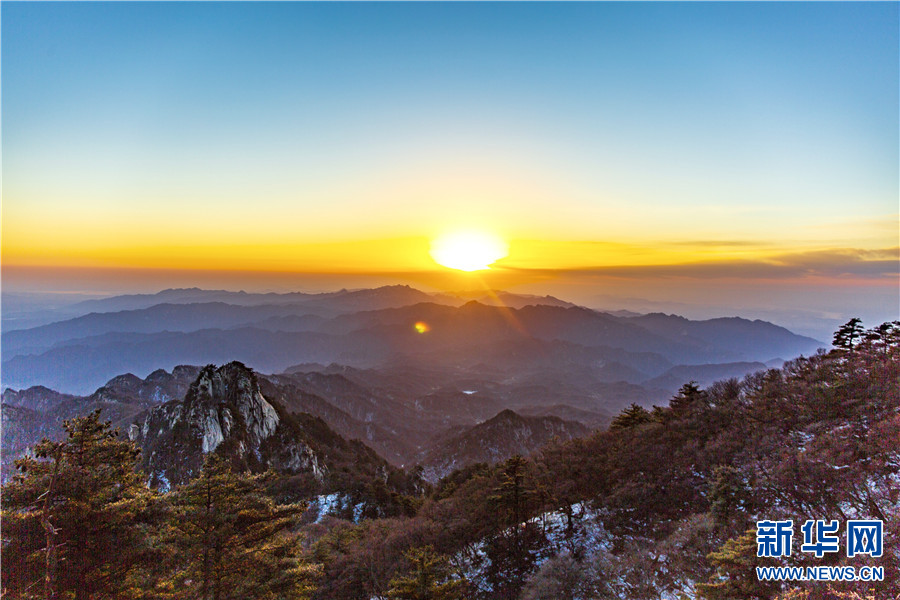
{"points": [[377, 328], [385, 378]]}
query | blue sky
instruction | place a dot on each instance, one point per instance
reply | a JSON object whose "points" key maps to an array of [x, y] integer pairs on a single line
{"points": [[758, 102], [137, 132]]}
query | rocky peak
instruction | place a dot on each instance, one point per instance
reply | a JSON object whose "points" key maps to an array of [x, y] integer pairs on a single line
{"points": [[119, 388], [506, 434], [223, 411], [507, 415], [218, 396]]}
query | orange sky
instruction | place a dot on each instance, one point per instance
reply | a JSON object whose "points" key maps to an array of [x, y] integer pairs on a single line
{"points": [[746, 152]]}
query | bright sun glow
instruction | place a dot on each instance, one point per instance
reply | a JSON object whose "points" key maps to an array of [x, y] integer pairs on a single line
{"points": [[468, 250]]}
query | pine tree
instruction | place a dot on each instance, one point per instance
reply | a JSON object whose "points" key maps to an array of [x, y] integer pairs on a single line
{"points": [[632, 416], [429, 578], [513, 495], [231, 541], [731, 498], [883, 338], [689, 395], [516, 548], [736, 578], [848, 334], [75, 517], [565, 480]]}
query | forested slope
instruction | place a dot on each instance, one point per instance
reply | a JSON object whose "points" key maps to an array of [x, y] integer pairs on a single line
{"points": [[663, 504]]}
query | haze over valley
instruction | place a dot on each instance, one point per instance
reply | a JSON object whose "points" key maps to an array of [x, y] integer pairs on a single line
{"points": [[406, 372]]}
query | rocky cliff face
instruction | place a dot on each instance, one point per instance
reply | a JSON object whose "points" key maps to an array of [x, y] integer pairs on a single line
{"points": [[37, 412], [223, 411]]}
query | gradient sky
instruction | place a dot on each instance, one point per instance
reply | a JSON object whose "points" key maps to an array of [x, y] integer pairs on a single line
{"points": [[735, 145]]}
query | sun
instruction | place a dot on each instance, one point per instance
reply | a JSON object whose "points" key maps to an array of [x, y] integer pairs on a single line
{"points": [[468, 250]]}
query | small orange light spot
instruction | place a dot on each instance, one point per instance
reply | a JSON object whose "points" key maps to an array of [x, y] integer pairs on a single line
{"points": [[422, 327]]}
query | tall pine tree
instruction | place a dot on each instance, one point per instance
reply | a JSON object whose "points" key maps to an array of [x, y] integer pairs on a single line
{"points": [[515, 549], [231, 541], [74, 518], [429, 578]]}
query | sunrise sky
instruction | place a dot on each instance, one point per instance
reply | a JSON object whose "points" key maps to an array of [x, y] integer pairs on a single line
{"points": [[733, 154]]}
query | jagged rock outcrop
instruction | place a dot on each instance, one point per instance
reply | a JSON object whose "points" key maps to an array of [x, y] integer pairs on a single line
{"points": [[158, 387], [32, 414], [223, 411]]}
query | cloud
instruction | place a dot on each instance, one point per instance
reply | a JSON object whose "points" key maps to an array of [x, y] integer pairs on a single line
{"points": [[719, 244], [833, 263], [844, 261]]}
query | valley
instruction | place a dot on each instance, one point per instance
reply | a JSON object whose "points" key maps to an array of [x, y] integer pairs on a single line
{"points": [[486, 379]]}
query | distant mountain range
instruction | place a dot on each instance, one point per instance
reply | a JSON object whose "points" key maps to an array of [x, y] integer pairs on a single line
{"points": [[328, 302], [374, 329], [440, 380]]}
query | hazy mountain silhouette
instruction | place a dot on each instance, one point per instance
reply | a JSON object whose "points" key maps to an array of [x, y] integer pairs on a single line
{"points": [[78, 354], [744, 336], [703, 375]]}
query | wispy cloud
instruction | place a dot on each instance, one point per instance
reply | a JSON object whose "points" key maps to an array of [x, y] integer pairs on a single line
{"points": [[832, 263], [720, 244], [844, 261]]}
